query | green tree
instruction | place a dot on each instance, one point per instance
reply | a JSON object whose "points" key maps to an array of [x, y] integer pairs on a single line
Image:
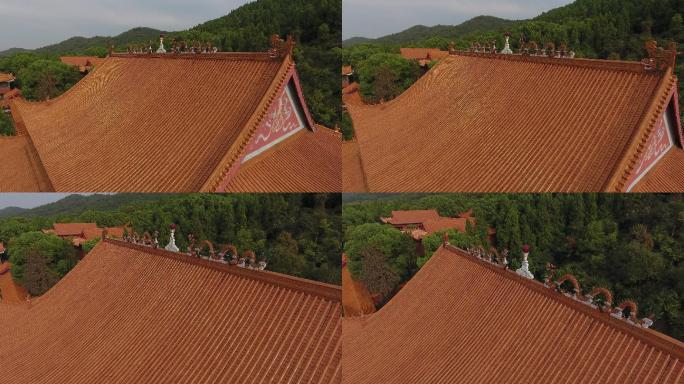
{"points": [[46, 251]]}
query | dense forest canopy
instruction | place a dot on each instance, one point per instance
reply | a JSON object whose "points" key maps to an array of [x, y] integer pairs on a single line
{"points": [[316, 26], [605, 29], [298, 234], [630, 244]]}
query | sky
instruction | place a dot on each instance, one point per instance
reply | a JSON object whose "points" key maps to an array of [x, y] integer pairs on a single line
{"points": [[37, 23], [376, 18], [29, 200]]}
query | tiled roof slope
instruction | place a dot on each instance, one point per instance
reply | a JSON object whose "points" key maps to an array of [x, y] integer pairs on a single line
{"points": [[352, 170], [73, 229], [129, 314], [10, 292], [457, 223], [130, 126], [21, 170], [309, 161], [81, 61], [6, 77], [666, 176], [422, 53], [462, 320], [481, 123], [413, 216], [356, 299]]}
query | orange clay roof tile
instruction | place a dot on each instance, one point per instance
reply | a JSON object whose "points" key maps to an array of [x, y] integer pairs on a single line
{"points": [[356, 300], [6, 77], [462, 320], [82, 61], [156, 140], [73, 229], [132, 314], [413, 216], [480, 123], [21, 169], [422, 53], [352, 170], [443, 223], [666, 175], [308, 161], [347, 70], [10, 291]]}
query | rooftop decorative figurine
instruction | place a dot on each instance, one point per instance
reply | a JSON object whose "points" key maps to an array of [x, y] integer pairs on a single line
{"points": [[507, 47], [524, 271], [161, 44], [660, 58], [172, 240]]}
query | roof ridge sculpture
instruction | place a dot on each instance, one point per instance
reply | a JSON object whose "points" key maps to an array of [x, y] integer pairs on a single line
{"points": [[150, 245], [611, 316]]}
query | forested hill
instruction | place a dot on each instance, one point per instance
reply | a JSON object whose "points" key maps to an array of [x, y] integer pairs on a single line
{"points": [[420, 32], [76, 204]]}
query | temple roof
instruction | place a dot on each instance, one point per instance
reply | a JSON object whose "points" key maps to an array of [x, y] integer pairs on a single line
{"points": [[104, 134], [22, 170], [464, 320], [74, 229], [412, 217], [6, 77], [488, 122], [82, 62], [308, 161], [356, 299], [129, 313], [10, 292], [423, 53]]}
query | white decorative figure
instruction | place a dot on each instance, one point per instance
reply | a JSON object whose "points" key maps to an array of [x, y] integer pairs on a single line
{"points": [[524, 271], [161, 45], [262, 265], [507, 47], [172, 240]]}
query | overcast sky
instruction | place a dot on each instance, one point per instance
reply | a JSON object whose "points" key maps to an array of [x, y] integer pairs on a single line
{"points": [[375, 18], [36, 23], [29, 200]]}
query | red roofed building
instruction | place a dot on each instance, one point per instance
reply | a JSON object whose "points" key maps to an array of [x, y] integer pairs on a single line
{"points": [[6, 80], [421, 223], [424, 56], [462, 319], [130, 313], [245, 128], [488, 122], [84, 63]]}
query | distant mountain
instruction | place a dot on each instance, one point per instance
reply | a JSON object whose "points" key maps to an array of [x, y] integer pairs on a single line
{"points": [[77, 204], [421, 32], [79, 44]]}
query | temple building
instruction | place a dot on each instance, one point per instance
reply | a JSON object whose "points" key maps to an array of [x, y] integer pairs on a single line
{"points": [[180, 121], [84, 63], [133, 312], [421, 223], [423, 56], [536, 121], [6, 80], [347, 73], [466, 318]]}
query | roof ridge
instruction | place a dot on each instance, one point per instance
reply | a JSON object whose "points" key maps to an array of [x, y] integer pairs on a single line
{"points": [[614, 65], [656, 339], [315, 288], [195, 56], [631, 153]]}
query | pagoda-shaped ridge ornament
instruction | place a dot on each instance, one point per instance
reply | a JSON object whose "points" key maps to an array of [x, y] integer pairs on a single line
{"points": [[660, 58], [507, 47], [172, 240], [524, 270], [161, 44]]}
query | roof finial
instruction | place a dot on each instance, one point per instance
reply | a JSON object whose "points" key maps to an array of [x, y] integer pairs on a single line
{"points": [[445, 238], [507, 47], [524, 271], [172, 240], [161, 44]]}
